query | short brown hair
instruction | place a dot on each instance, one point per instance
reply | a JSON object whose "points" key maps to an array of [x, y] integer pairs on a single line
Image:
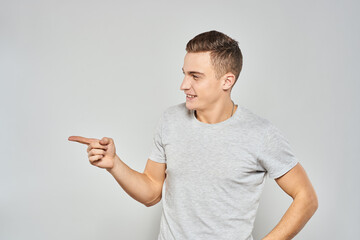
{"points": [[225, 53]]}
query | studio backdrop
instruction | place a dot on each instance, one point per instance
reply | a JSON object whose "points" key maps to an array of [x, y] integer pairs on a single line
{"points": [[110, 68]]}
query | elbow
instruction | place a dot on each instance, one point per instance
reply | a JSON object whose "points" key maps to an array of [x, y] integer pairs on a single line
{"points": [[149, 204], [153, 202], [309, 201], [312, 202], [315, 203]]}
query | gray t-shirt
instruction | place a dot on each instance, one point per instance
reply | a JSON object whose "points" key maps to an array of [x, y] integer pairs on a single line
{"points": [[215, 172]]}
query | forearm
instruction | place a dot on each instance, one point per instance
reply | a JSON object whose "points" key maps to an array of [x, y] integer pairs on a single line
{"points": [[134, 183], [298, 214]]}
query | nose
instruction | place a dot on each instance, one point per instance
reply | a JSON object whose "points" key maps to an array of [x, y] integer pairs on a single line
{"points": [[185, 84]]}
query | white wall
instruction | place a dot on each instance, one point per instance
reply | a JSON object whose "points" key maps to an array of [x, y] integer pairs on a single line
{"points": [[109, 68]]}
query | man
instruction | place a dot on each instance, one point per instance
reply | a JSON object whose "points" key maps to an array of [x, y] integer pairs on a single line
{"points": [[214, 156]]}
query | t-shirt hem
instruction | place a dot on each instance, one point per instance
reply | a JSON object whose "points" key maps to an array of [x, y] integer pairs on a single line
{"points": [[284, 170], [157, 160]]}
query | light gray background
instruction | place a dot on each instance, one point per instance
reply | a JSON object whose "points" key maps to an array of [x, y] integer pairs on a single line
{"points": [[109, 68]]}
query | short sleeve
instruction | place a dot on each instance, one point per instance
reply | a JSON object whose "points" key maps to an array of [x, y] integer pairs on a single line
{"points": [[276, 155], [157, 153]]}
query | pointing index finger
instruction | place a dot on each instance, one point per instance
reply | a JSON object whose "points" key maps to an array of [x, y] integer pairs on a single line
{"points": [[81, 139]]}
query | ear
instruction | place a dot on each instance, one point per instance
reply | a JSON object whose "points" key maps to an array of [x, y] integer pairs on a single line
{"points": [[228, 81]]}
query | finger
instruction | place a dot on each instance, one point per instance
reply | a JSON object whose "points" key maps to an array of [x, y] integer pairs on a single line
{"points": [[92, 159], [96, 144], [82, 139], [95, 158], [91, 147], [95, 151], [105, 141]]}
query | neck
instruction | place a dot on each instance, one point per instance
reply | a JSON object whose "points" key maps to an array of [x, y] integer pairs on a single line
{"points": [[216, 113]]}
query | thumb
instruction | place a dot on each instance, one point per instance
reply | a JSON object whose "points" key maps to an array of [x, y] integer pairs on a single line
{"points": [[104, 141]]}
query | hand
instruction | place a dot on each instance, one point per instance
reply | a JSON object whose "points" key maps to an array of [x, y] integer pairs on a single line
{"points": [[101, 153]]}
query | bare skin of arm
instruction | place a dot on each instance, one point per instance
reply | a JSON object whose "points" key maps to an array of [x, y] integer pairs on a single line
{"points": [[297, 185], [145, 187]]}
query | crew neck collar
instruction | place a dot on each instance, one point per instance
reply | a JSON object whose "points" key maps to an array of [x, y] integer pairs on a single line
{"points": [[219, 124]]}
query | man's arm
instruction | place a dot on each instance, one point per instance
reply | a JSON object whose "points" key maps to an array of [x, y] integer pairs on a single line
{"points": [[144, 187], [297, 185]]}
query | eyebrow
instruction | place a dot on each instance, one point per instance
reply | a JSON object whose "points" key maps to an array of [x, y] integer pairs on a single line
{"points": [[194, 72]]}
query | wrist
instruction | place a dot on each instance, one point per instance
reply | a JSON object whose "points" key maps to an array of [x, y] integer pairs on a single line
{"points": [[115, 165]]}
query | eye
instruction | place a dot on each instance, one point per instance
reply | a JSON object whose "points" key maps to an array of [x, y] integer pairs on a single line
{"points": [[195, 77]]}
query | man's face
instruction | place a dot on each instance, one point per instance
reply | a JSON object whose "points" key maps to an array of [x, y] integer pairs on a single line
{"points": [[200, 80]]}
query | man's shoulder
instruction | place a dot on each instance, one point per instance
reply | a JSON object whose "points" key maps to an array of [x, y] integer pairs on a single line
{"points": [[259, 122], [176, 110], [252, 117]]}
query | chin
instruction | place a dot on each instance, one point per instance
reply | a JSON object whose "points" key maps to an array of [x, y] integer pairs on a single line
{"points": [[189, 106]]}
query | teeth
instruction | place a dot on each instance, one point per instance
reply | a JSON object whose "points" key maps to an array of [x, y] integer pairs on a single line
{"points": [[190, 96]]}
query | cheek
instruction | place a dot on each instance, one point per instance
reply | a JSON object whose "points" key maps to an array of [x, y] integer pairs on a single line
{"points": [[205, 91]]}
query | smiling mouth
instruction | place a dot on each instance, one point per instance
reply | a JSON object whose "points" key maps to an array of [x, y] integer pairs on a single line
{"points": [[191, 97]]}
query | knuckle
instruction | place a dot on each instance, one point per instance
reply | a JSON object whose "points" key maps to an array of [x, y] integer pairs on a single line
{"points": [[94, 158]]}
